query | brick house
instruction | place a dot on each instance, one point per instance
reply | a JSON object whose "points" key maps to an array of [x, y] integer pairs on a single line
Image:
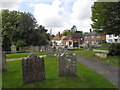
{"points": [[93, 38], [73, 40]]}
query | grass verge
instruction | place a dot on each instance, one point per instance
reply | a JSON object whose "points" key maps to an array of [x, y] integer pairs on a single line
{"points": [[86, 77], [113, 60]]}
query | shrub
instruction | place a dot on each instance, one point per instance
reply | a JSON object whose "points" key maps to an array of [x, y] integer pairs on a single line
{"points": [[114, 49]]}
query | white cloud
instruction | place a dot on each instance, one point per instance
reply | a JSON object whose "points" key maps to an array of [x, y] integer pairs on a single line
{"points": [[9, 4]]}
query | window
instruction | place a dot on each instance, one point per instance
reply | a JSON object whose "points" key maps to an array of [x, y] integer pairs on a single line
{"points": [[98, 36], [92, 37], [110, 40], [116, 40], [110, 35]]}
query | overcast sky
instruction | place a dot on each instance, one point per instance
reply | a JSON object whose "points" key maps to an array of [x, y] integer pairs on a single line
{"points": [[57, 15]]}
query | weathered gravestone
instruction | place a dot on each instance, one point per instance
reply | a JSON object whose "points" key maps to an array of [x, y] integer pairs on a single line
{"points": [[13, 49], [4, 67], [43, 48], [36, 48], [33, 69], [59, 51], [32, 49], [49, 51], [67, 64]]}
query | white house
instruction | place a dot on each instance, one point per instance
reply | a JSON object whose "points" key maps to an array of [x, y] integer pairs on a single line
{"points": [[112, 39]]}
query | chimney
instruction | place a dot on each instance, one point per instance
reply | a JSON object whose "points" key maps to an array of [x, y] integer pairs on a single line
{"points": [[90, 30]]}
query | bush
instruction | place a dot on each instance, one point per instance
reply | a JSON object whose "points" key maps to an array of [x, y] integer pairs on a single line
{"points": [[114, 49]]}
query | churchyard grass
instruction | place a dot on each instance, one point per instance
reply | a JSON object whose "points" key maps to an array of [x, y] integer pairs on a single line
{"points": [[89, 54], [86, 77], [20, 55]]}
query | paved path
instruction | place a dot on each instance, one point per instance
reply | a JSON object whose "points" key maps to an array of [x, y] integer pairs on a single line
{"points": [[106, 70]]}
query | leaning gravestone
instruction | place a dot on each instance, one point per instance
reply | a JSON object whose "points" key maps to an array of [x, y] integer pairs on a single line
{"points": [[49, 51], [33, 69], [67, 64], [13, 49], [4, 67]]}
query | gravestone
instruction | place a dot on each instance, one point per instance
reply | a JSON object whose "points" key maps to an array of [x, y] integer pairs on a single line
{"points": [[67, 64], [43, 48], [33, 69], [49, 51], [36, 48], [59, 51], [32, 49], [4, 67], [13, 49]]}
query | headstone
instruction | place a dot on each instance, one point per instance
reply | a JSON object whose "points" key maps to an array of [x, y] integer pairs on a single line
{"points": [[33, 69], [13, 49], [49, 51], [32, 49], [4, 67], [43, 48], [67, 64], [59, 51], [36, 48]]}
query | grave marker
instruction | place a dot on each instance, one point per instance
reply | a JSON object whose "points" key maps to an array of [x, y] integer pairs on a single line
{"points": [[33, 69]]}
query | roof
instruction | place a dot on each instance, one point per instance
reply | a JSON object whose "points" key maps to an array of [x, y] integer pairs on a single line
{"points": [[58, 37]]}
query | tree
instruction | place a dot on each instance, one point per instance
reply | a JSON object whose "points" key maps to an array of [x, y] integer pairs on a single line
{"points": [[106, 17], [66, 32], [9, 27]]}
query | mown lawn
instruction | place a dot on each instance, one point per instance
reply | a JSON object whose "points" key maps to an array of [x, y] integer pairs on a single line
{"points": [[20, 55], [86, 77], [89, 54]]}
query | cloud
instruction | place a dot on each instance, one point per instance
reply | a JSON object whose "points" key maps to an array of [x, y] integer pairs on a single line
{"points": [[9, 4]]}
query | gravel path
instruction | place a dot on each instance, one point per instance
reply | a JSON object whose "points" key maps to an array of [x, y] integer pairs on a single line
{"points": [[106, 70]]}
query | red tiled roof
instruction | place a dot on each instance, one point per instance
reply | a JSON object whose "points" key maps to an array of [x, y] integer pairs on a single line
{"points": [[57, 37]]}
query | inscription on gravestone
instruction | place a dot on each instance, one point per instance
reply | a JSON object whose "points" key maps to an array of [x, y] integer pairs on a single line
{"points": [[67, 64], [33, 69], [49, 51]]}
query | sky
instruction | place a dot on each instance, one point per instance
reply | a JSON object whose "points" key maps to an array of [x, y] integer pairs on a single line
{"points": [[57, 15]]}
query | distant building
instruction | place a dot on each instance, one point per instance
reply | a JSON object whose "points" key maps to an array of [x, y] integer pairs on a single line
{"points": [[56, 40], [112, 39], [73, 40], [93, 38]]}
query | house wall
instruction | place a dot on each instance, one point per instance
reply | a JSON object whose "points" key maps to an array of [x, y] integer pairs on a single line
{"points": [[112, 39], [93, 39]]}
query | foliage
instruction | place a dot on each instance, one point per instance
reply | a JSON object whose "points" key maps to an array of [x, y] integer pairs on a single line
{"points": [[66, 32], [19, 28], [106, 17], [114, 49], [20, 43]]}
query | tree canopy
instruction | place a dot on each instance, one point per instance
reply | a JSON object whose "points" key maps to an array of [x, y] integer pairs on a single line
{"points": [[21, 29], [106, 17]]}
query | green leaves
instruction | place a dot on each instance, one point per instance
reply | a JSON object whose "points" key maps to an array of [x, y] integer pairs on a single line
{"points": [[105, 17]]}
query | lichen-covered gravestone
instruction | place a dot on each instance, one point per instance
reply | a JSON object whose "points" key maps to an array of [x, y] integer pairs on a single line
{"points": [[33, 69], [49, 51], [4, 67], [67, 64], [59, 51], [13, 49]]}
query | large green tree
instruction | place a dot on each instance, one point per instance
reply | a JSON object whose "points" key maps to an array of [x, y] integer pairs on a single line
{"points": [[19, 28], [106, 17]]}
